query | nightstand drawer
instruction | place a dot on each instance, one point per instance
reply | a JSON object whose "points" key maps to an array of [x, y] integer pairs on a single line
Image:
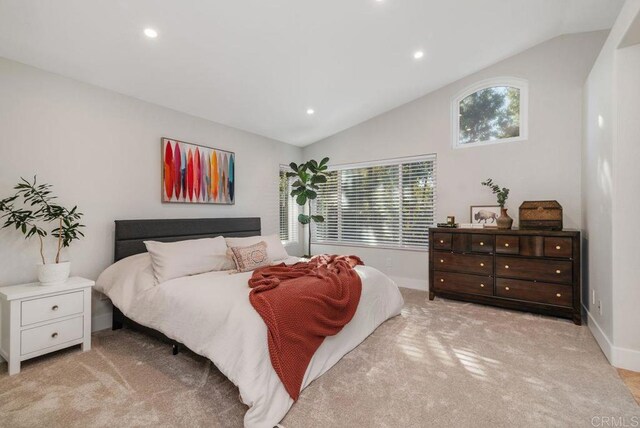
{"points": [[47, 336], [49, 308]]}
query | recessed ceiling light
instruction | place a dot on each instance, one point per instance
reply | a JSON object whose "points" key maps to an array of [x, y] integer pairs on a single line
{"points": [[418, 54], [150, 33], [310, 111]]}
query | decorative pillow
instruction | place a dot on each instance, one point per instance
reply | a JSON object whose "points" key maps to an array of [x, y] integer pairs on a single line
{"points": [[251, 257], [176, 259], [275, 249]]}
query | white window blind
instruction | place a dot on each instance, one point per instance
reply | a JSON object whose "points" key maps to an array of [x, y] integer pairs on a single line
{"points": [[288, 209], [386, 204]]}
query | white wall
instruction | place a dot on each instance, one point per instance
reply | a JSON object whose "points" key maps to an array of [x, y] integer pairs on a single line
{"points": [[546, 166], [611, 154], [101, 151]]}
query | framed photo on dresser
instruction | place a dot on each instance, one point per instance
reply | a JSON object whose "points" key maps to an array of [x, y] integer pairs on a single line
{"points": [[485, 215], [196, 174]]}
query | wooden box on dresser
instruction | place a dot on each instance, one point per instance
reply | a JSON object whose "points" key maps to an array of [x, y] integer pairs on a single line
{"points": [[528, 270]]}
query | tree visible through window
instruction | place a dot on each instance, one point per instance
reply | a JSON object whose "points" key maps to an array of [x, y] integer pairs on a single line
{"points": [[491, 113]]}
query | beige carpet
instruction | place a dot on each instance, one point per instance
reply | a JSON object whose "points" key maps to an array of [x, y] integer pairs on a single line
{"points": [[440, 363]]}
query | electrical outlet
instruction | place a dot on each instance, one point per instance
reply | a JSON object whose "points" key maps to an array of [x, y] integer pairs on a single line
{"points": [[593, 297], [600, 306]]}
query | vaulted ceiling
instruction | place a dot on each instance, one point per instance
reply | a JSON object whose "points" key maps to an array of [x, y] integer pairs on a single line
{"points": [[259, 65]]}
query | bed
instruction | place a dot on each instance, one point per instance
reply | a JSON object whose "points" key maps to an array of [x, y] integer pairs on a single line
{"points": [[230, 332]]}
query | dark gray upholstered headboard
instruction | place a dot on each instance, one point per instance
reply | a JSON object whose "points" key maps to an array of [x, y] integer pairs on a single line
{"points": [[131, 234]]}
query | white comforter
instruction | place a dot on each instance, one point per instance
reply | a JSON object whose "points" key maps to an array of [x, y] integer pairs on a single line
{"points": [[211, 314]]}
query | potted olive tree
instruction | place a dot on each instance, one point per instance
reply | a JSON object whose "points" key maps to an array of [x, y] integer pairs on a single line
{"points": [[37, 209]]}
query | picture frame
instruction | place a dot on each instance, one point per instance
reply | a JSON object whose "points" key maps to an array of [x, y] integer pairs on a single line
{"points": [[196, 174], [485, 215]]}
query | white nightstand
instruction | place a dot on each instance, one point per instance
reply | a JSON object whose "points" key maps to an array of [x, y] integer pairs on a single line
{"points": [[37, 319]]}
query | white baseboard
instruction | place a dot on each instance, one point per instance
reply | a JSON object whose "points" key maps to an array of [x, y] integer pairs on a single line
{"points": [[600, 336], [623, 358], [413, 283], [101, 322]]}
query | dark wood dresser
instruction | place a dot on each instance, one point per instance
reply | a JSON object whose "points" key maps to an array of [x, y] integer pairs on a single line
{"points": [[528, 270]]}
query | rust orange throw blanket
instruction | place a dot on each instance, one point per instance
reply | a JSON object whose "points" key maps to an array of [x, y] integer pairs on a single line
{"points": [[301, 305]]}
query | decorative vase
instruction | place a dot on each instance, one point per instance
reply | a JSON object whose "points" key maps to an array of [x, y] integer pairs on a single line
{"points": [[53, 273], [504, 221]]}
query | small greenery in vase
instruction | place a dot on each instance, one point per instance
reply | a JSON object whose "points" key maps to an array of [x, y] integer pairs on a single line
{"points": [[502, 193]]}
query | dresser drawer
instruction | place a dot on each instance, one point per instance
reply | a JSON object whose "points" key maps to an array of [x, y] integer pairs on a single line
{"points": [[52, 307], [462, 283], [507, 244], [539, 292], [482, 243], [442, 241], [463, 263], [47, 336], [558, 247], [535, 269]]}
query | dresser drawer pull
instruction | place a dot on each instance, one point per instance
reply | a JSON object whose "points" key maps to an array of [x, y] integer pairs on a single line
{"points": [[557, 247], [54, 308], [506, 266], [482, 285], [482, 244], [442, 241], [481, 264], [441, 260], [558, 271], [506, 245], [506, 288], [54, 335], [558, 295], [441, 279]]}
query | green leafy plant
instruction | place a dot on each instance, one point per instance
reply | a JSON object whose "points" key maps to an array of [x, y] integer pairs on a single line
{"points": [[38, 206], [502, 193], [308, 176]]}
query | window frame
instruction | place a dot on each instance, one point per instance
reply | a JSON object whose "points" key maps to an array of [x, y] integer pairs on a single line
{"points": [[514, 82], [294, 210], [384, 162]]}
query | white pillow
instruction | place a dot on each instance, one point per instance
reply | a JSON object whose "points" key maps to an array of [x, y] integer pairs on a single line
{"points": [[176, 259], [275, 249], [124, 280]]}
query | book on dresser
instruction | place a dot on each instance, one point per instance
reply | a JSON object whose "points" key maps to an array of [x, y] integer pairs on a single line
{"points": [[529, 270]]}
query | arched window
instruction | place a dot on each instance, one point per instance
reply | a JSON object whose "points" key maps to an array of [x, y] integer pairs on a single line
{"points": [[491, 111]]}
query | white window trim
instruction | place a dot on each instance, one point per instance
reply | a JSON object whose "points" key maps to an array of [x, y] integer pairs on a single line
{"points": [[515, 82], [383, 162]]}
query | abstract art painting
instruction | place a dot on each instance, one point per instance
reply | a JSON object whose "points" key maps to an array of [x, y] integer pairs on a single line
{"points": [[197, 174]]}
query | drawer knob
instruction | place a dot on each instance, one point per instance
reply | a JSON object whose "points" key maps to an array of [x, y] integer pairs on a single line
{"points": [[54, 335], [506, 245], [557, 247], [557, 270], [441, 260], [54, 308], [506, 266], [558, 295], [482, 285], [441, 279], [506, 288], [481, 244], [442, 241], [481, 264]]}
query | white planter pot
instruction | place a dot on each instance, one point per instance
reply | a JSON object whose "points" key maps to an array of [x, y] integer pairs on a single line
{"points": [[53, 273]]}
